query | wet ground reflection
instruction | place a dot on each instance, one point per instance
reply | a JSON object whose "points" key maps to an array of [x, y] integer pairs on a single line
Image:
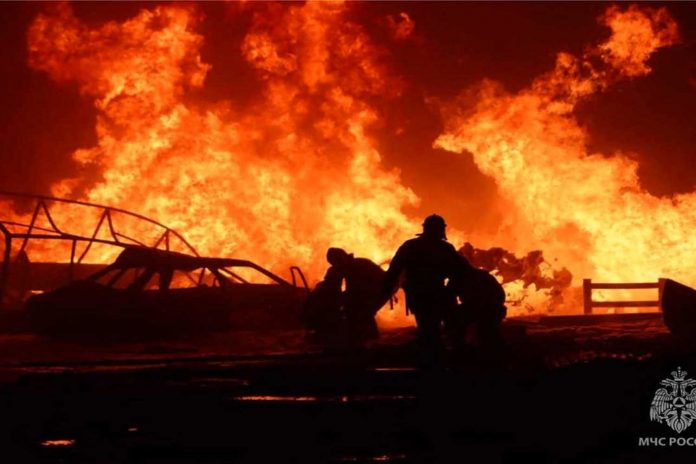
{"points": [[61, 442]]}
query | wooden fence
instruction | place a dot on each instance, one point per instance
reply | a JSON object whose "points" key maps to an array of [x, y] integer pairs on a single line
{"points": [[588, 303]]}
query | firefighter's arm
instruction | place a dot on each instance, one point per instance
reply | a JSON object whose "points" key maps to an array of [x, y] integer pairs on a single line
{"points": [[333, 279], [391, 279]]}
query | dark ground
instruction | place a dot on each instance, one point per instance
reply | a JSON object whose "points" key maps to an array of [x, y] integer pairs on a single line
{"points": [[564, 390]]}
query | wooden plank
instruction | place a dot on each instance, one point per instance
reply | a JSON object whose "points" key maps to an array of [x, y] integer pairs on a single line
{"points": [[624, 304], [595, 286]]}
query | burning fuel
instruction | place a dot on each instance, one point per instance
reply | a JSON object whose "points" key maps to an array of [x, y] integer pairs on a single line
{"points": [[299, 170], [587, 210], [282, 182]]}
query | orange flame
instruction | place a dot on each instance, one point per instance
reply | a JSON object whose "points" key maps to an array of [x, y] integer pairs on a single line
{"points": [[587, 211], [279, 183], [298, 171]]}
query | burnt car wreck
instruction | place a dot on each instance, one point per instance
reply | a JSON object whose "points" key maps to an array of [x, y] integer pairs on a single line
{"points": [[52, 280], [150, 293]]}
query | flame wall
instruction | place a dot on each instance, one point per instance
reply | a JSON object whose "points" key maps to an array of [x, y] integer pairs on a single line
{"points": [[301, 167], [280, 183], [587, 209]]}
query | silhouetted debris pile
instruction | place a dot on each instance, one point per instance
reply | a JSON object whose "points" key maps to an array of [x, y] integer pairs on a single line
{"points": [[531, 269]]}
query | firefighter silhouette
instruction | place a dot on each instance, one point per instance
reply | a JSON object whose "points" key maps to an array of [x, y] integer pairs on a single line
{"points": [[481, 304], [343, 306], [422, 265]]}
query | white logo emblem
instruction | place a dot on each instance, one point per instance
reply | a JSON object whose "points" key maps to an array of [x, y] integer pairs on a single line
{"points": [[675, 405]]}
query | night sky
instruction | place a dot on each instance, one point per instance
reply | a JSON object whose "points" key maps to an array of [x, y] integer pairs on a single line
{"points": [[454, 46]]}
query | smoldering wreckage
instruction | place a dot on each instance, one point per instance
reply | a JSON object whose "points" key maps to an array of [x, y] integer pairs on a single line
{"points": [[148, 292]]}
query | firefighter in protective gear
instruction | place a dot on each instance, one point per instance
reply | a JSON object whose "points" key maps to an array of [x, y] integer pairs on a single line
{"points": [[344, 304], [423, 265]]}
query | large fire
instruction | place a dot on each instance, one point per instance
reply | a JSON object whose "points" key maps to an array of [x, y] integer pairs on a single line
{"points": [[299, 170], [586, 210], [281, 183]]}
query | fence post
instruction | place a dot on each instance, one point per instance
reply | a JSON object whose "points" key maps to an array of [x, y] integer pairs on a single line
{"points": [[587, 295], [660, 290]]}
